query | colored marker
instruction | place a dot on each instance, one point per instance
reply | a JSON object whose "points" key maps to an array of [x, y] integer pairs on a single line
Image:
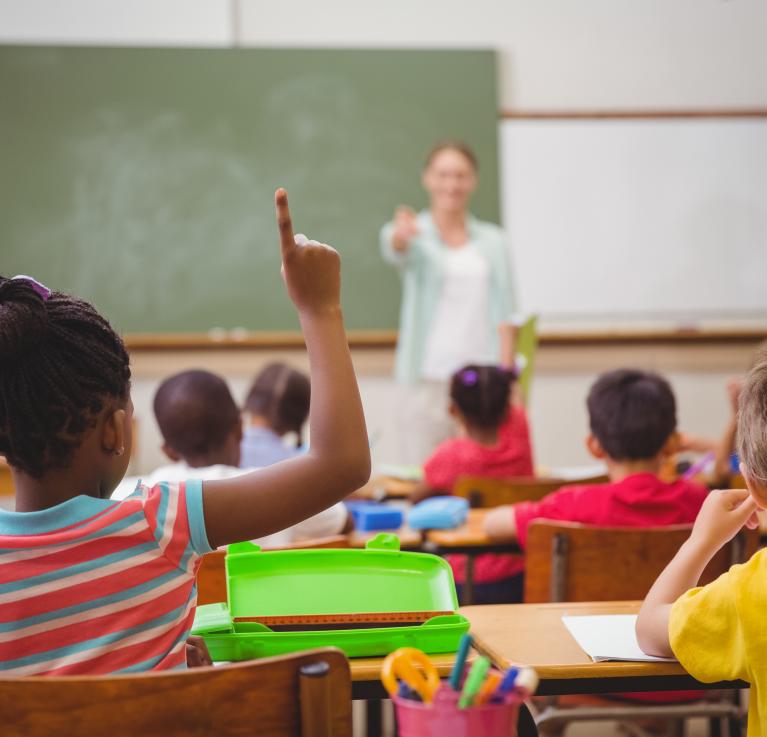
{"points": [[474, 681], [698, 467], [492, 682], [460, 662], [508, 682]]}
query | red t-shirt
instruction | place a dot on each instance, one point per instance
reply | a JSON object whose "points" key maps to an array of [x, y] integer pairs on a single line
{"points": [[639, 500], [511, 456]]}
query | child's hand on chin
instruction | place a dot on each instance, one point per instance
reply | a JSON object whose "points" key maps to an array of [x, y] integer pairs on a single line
{"points": [[724, 513]]}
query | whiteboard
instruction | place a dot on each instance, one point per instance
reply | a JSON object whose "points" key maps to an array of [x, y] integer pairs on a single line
{"points": [[624, 221]]}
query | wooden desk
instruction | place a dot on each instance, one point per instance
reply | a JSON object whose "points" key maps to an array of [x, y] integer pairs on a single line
{"points": [[366, 675], [534, 634], [408, 539], [381, 488]]}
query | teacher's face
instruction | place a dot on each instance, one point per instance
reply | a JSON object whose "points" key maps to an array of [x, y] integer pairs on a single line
{"points": [[450, 180]]}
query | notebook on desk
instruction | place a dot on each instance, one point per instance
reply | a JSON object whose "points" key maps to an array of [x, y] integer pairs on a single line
{"points": [[609, 637]]}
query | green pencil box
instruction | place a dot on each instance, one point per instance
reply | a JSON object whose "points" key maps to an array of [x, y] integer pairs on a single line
{"points": [[365, 602]]}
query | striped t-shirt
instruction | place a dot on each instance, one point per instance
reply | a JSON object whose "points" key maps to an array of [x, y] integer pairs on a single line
{"points": [[96, 586]]}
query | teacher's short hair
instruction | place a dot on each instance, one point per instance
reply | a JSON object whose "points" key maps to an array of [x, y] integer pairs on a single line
{"points": [[453, 144]]}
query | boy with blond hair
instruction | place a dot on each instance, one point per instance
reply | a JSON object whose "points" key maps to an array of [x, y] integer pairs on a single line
{"points": [[718, 631]]}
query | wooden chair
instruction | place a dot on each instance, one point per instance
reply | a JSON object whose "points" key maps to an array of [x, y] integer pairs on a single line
{"points": [[484, 492], [300, 695], [567, 561], [211, 575]]}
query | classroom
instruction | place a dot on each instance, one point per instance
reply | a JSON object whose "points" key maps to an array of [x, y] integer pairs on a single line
{"points": [[494, 463]]}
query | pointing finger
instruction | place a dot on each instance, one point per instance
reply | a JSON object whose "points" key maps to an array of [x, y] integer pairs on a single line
{"points": [[287, 243]]}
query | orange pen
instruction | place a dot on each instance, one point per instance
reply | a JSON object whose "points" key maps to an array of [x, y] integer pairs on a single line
{"points": [[492, 682]]}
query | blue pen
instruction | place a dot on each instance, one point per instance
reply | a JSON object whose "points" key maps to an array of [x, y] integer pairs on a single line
{"points": [[507, 684], [460, 662]]}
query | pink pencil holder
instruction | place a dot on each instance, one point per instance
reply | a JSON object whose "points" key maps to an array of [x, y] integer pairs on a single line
{"points": [[443, 718]]}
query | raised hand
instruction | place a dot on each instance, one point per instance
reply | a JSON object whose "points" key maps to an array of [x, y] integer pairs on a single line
{"points": [[311, 270]]}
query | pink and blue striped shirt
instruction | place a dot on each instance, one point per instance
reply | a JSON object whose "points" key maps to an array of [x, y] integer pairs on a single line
{"points": [[96, 586]]}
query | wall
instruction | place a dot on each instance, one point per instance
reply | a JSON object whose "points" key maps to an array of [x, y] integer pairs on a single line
{"points": [[553, 55]]}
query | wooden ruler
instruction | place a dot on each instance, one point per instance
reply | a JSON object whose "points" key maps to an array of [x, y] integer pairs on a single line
{"points": [[342, 621]]}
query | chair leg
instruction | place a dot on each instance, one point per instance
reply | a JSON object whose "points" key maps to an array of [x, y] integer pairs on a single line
{"points": [[734, 727], [525, 723], [373, 718]]}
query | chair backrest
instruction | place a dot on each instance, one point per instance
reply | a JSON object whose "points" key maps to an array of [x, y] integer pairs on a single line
{"points": [[484, 492], [566, 561], [301, 695], [211, 575]]}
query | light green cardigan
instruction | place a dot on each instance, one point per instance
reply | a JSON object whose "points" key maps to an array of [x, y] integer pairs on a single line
{"points": [[422, 270]]}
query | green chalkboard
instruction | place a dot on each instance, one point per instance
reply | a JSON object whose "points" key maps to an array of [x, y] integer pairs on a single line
{"points": [[143, 179]]}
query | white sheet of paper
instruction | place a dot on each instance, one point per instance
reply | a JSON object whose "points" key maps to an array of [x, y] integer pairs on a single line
{"points": [[608, 637]]}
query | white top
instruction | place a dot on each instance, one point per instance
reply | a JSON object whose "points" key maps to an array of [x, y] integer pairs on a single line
{"points": [[458, 333], [328, 522]]}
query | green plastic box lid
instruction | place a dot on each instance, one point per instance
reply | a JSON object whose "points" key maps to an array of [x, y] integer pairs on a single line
{"points": [[294, 583]]}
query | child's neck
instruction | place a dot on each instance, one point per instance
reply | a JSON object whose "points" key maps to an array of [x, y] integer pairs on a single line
{"points": [[55, 487], [619, 470], [260, 421], [482, 435], [215, 458]]}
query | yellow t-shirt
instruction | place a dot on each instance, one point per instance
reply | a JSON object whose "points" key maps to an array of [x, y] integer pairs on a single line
{"points": [[719, 633]]}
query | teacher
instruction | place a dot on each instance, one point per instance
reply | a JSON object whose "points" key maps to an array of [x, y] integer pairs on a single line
{"points": [[457, 295]]}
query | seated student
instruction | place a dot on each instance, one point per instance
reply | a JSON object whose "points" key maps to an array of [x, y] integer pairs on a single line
{"points": [[103, 586], [717, 631], [633, 429], [495, 443], [202, 430], [277, 404]]}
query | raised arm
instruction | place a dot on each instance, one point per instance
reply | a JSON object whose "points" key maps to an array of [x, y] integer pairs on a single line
{"points": [[338, 462]]}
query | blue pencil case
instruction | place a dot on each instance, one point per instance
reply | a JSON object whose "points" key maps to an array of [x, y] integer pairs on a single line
{"points": [[370, 516], [439, 513]]}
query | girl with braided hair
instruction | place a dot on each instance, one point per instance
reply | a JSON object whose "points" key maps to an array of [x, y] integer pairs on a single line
{"points": [[93, 585]]}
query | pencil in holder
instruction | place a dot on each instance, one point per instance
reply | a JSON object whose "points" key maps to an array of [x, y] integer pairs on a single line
{"points": [[443, 717]]}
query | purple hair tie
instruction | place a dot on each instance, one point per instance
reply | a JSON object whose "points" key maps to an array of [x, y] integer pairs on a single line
{"points": [[39, 287], [469, 377]]}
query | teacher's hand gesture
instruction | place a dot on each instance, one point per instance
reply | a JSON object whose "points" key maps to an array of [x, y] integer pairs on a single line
{"points": [[405, 227]]}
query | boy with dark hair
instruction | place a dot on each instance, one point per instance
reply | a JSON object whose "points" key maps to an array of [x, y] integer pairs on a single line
{"points": [[633, 429], [202, 429]]}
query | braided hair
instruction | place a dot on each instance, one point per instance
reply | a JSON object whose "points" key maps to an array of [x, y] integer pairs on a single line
{"points": [[60, 364], [482, 394]]}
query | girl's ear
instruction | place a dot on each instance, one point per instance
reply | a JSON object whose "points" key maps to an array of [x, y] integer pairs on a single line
{"points": [[595, 447], [113, 438]]}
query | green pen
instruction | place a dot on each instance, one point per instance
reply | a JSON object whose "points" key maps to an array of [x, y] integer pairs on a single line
{"points": [[474, 681]]}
